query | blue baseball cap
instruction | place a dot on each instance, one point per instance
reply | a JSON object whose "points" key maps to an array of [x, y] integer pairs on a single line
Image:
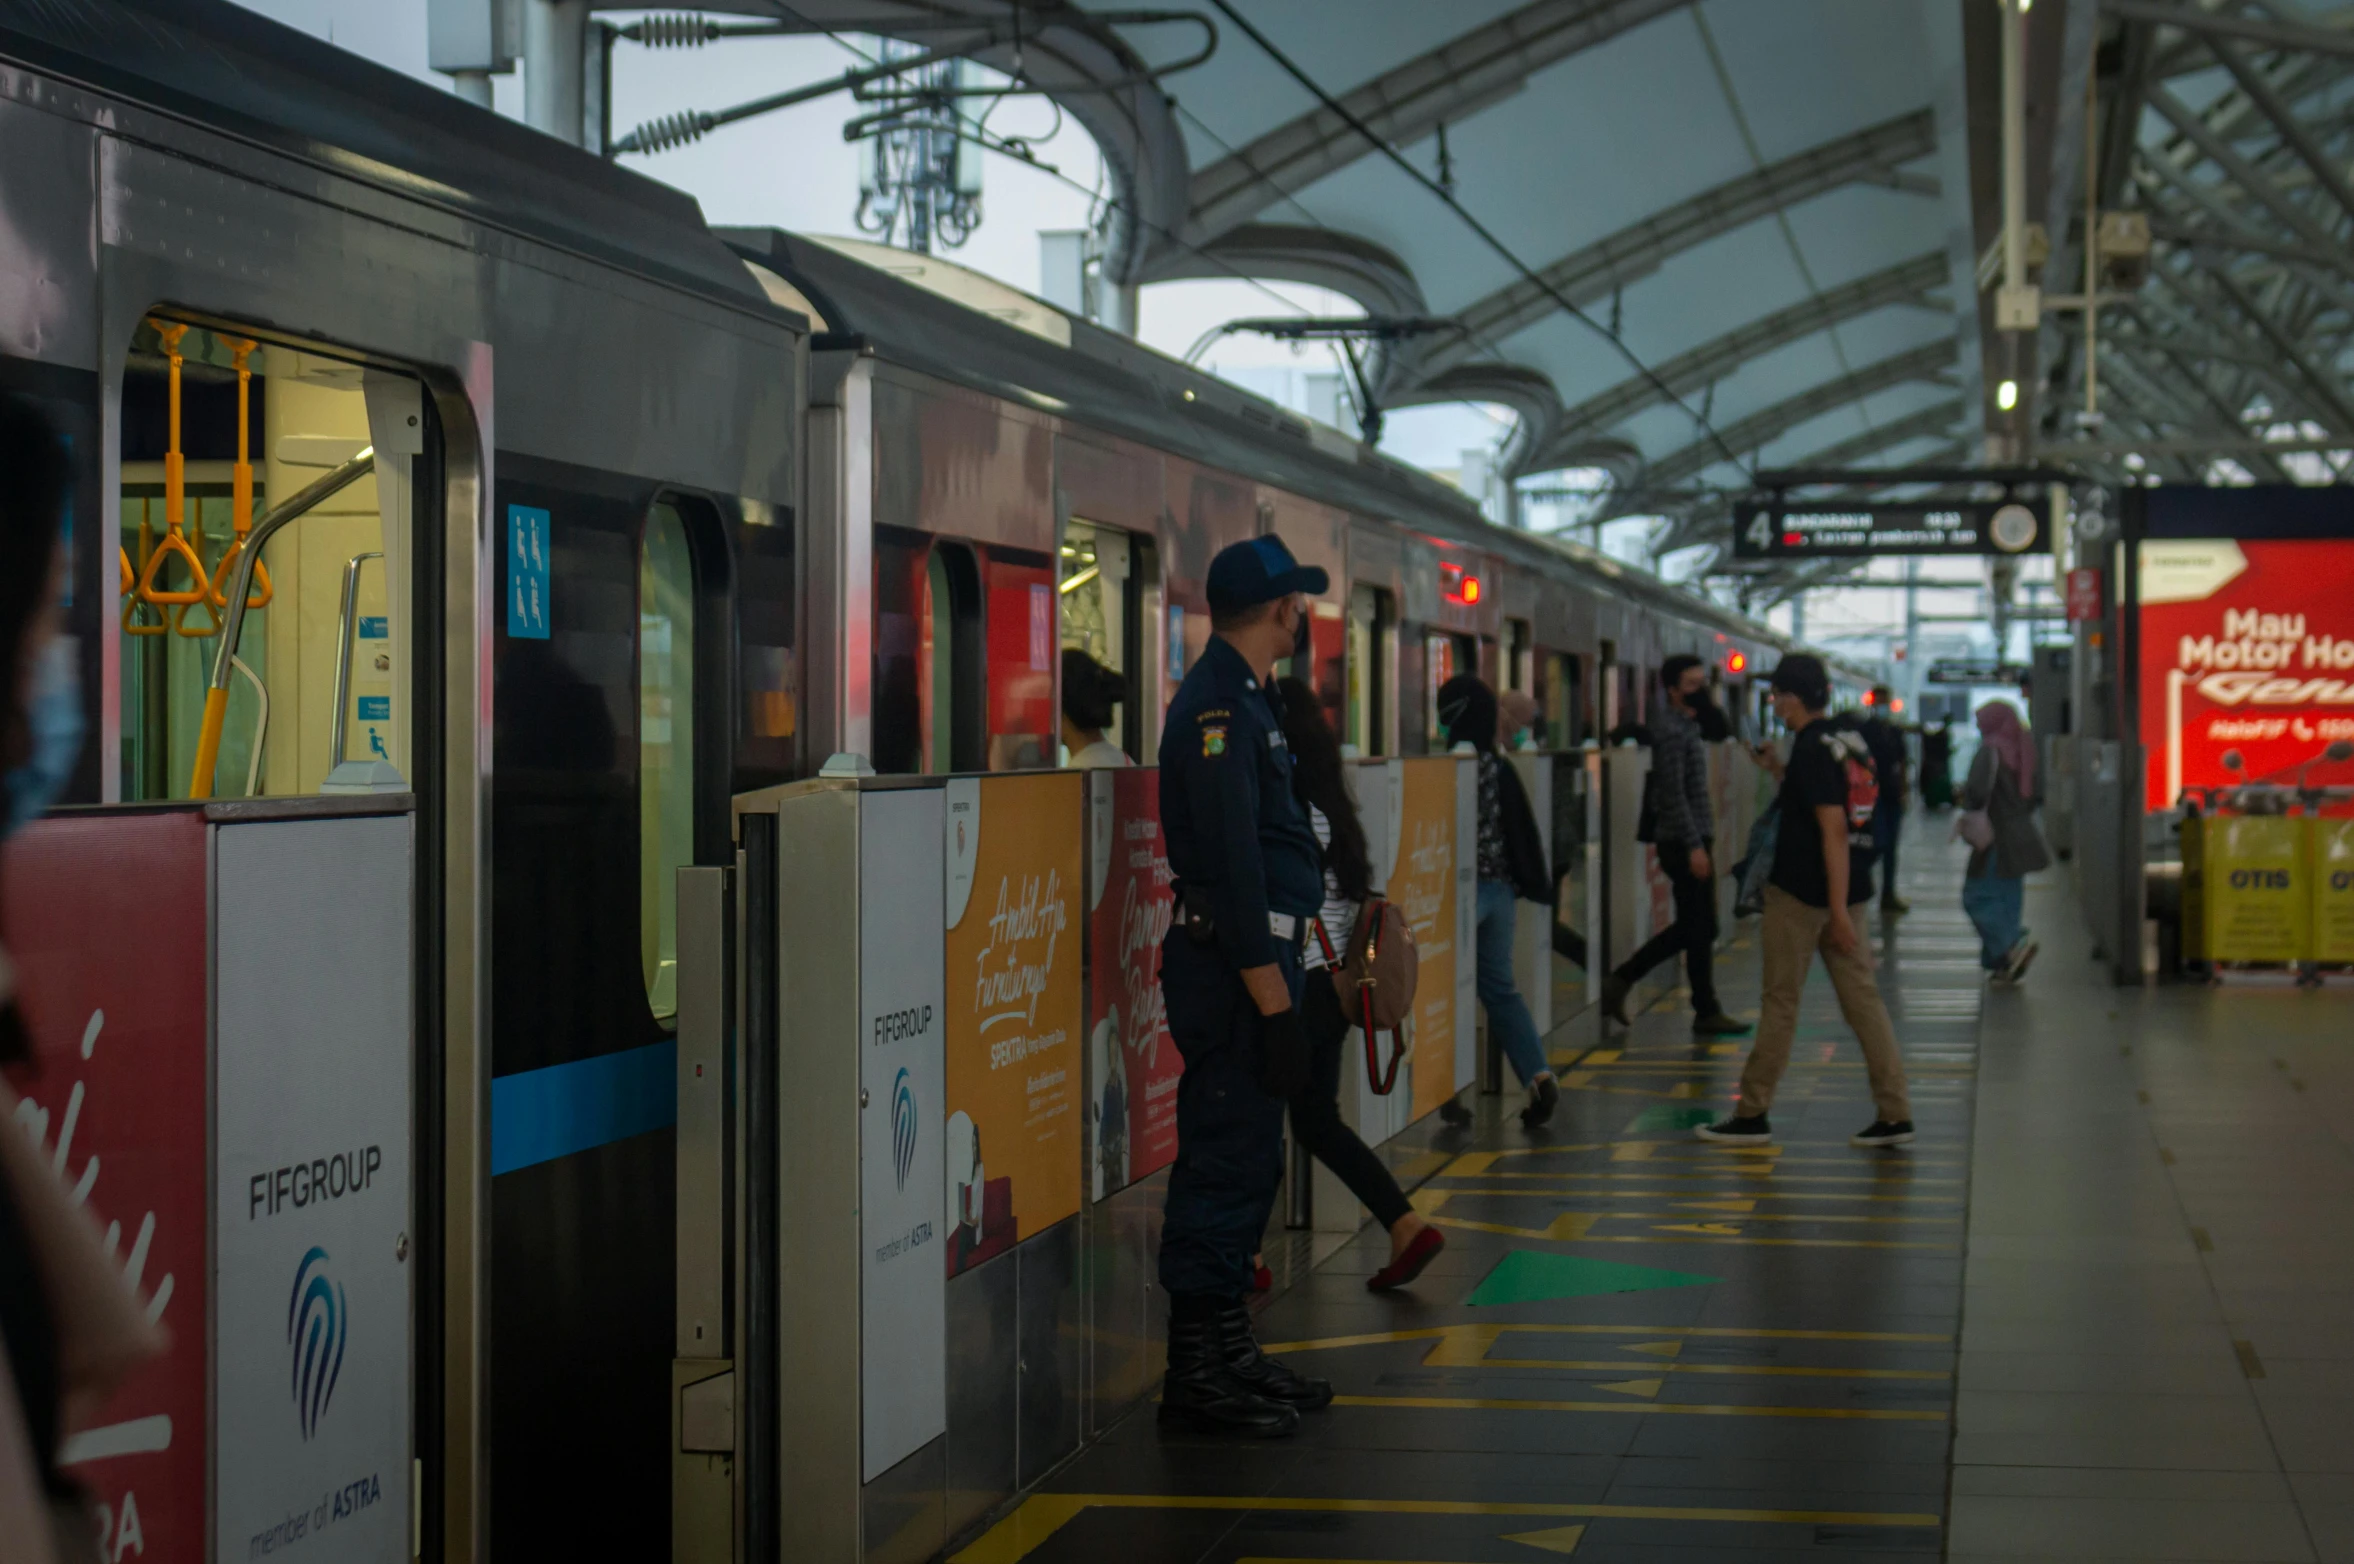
{"points": [[1259, 570]]}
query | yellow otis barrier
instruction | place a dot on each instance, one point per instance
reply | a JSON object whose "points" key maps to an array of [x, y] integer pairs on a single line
{"points": [[2268, 888]]}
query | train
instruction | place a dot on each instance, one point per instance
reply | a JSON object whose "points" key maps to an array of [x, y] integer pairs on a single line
{"points": [[586, 522]]}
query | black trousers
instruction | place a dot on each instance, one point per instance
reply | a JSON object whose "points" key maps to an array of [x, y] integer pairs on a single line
{"points": [[1315, 1112], [1229, 1132], [1693, 932]]}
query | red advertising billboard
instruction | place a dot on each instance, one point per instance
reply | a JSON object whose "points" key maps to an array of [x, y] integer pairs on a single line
{"points": [[1133, 1061], [2245, 646], [104, 916]]}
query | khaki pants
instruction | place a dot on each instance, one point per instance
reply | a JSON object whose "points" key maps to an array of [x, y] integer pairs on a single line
{"points": [[1791, 934]]}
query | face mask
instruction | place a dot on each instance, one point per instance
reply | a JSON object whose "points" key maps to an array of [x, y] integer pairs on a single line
{"points": [[1299, 640], [55, 721]]}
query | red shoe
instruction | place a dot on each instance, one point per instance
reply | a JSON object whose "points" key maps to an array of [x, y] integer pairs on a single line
{"points": [[1424, 1249], [1262, 1280]]}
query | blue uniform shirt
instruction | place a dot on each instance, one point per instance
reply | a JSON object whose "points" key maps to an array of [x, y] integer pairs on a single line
{"points": [[1229, 820]]}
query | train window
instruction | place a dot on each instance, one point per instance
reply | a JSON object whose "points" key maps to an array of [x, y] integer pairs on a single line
{"points": [[217, 428], [1371, 634], [666, 745], [1021, 662], [1564, 724], [927, 706], [1096, 592], [1444, 656], [1519, 656]]}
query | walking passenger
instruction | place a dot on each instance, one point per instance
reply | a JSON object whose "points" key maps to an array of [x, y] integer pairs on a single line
{"points": [[1820, 872], [1885, 740], [1249, 882], [1348, 882], [2005, 846], [1090, 691], [1937, 766], [1511, 868], [1680, 822]]}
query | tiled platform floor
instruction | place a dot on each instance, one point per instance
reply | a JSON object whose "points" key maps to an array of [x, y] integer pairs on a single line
{"points": [[2158, 1321]]}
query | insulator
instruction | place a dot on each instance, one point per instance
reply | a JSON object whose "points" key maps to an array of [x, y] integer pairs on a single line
{"points": [[672, 30], [671, 130]]}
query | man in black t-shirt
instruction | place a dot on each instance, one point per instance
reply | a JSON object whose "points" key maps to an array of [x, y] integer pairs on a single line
{"points": [[1819, 873]]}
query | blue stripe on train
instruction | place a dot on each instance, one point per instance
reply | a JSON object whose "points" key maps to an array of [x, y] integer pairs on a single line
{"points": [[539, 1115]]}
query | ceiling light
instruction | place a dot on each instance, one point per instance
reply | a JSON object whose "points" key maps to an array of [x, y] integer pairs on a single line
{"points": [[2006, 395]]}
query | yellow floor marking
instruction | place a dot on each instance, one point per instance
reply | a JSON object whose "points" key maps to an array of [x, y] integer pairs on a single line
{"points": [[1603, 1056], [1632, 1387], [1740, 1207], [1655, 1409], [1695, 1200], [1726, 1050], [1041, 1515], [1426, 1199], [1760, 1170], [1568, 1227], [1486, 1335], [1559, 1233], [1736, 1370], [1656, 1349], [1714, 1229], [1583, 1081], [1423, 1166], [1561, 1539]]}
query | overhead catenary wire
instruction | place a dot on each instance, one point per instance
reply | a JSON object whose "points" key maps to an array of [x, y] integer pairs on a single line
{"points": [[1486, 235]]}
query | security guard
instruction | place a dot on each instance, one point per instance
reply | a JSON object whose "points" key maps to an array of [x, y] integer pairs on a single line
{"points": [[1249, 883]]}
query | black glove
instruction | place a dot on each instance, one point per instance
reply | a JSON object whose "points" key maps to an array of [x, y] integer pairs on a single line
{"points": [[1283, 1054]]}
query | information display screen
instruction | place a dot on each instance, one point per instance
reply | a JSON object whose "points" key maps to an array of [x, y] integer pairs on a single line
{"points": [[1768, 530]]}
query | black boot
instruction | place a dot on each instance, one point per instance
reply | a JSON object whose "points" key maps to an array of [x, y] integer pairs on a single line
{"points": [[1270, 1377], [1203, 1392]]}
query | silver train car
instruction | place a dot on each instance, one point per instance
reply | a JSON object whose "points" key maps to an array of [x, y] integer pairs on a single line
{"points": [[590, 521]]}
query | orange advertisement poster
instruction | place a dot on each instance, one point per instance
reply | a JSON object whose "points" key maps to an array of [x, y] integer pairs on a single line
{"points": [[1015, 900], [1423, 886]]}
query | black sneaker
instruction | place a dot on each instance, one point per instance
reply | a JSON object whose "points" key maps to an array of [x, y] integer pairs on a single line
{"points": [[1543, 1097], [1883, 1133], [1614, 999], [1718, 1024], [1738, 1131]]}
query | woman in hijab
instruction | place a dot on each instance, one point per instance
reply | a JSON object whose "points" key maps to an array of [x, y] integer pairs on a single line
{"points": [[1511, 868], [2006, 847]]}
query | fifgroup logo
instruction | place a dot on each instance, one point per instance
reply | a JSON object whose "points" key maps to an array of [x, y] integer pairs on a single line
{"points": [[903, 1127], [317, 1326]]}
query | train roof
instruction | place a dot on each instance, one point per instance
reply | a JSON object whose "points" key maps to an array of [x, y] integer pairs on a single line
{"points": [[231, 71], [1126, 388]]}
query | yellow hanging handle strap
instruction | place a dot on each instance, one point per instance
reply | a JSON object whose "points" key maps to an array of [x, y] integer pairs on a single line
{"points": [[216, 695], [241, 500], [175, 504]]}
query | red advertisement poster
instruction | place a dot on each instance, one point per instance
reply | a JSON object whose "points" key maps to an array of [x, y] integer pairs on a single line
{"points": [[105, 919], [2247, 647], [1134, 1061]]}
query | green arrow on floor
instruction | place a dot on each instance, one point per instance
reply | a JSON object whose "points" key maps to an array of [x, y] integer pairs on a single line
{"points": [[1532, 1276]]}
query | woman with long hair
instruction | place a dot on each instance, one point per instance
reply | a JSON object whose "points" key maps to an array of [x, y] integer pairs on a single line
{"points": [[1512, 869], [2005, 845], [1348, 881]]}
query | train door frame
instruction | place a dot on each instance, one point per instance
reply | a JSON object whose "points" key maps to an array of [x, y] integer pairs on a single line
{"points": [[1371, 663], [1136, 726]]}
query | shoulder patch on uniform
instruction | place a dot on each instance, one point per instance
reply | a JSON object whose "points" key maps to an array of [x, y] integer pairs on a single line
{"points": [[1213, 714], [1213, 739]]}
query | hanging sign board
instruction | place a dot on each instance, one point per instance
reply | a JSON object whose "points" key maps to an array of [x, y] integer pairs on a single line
{"points": [[1772, 530]]}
